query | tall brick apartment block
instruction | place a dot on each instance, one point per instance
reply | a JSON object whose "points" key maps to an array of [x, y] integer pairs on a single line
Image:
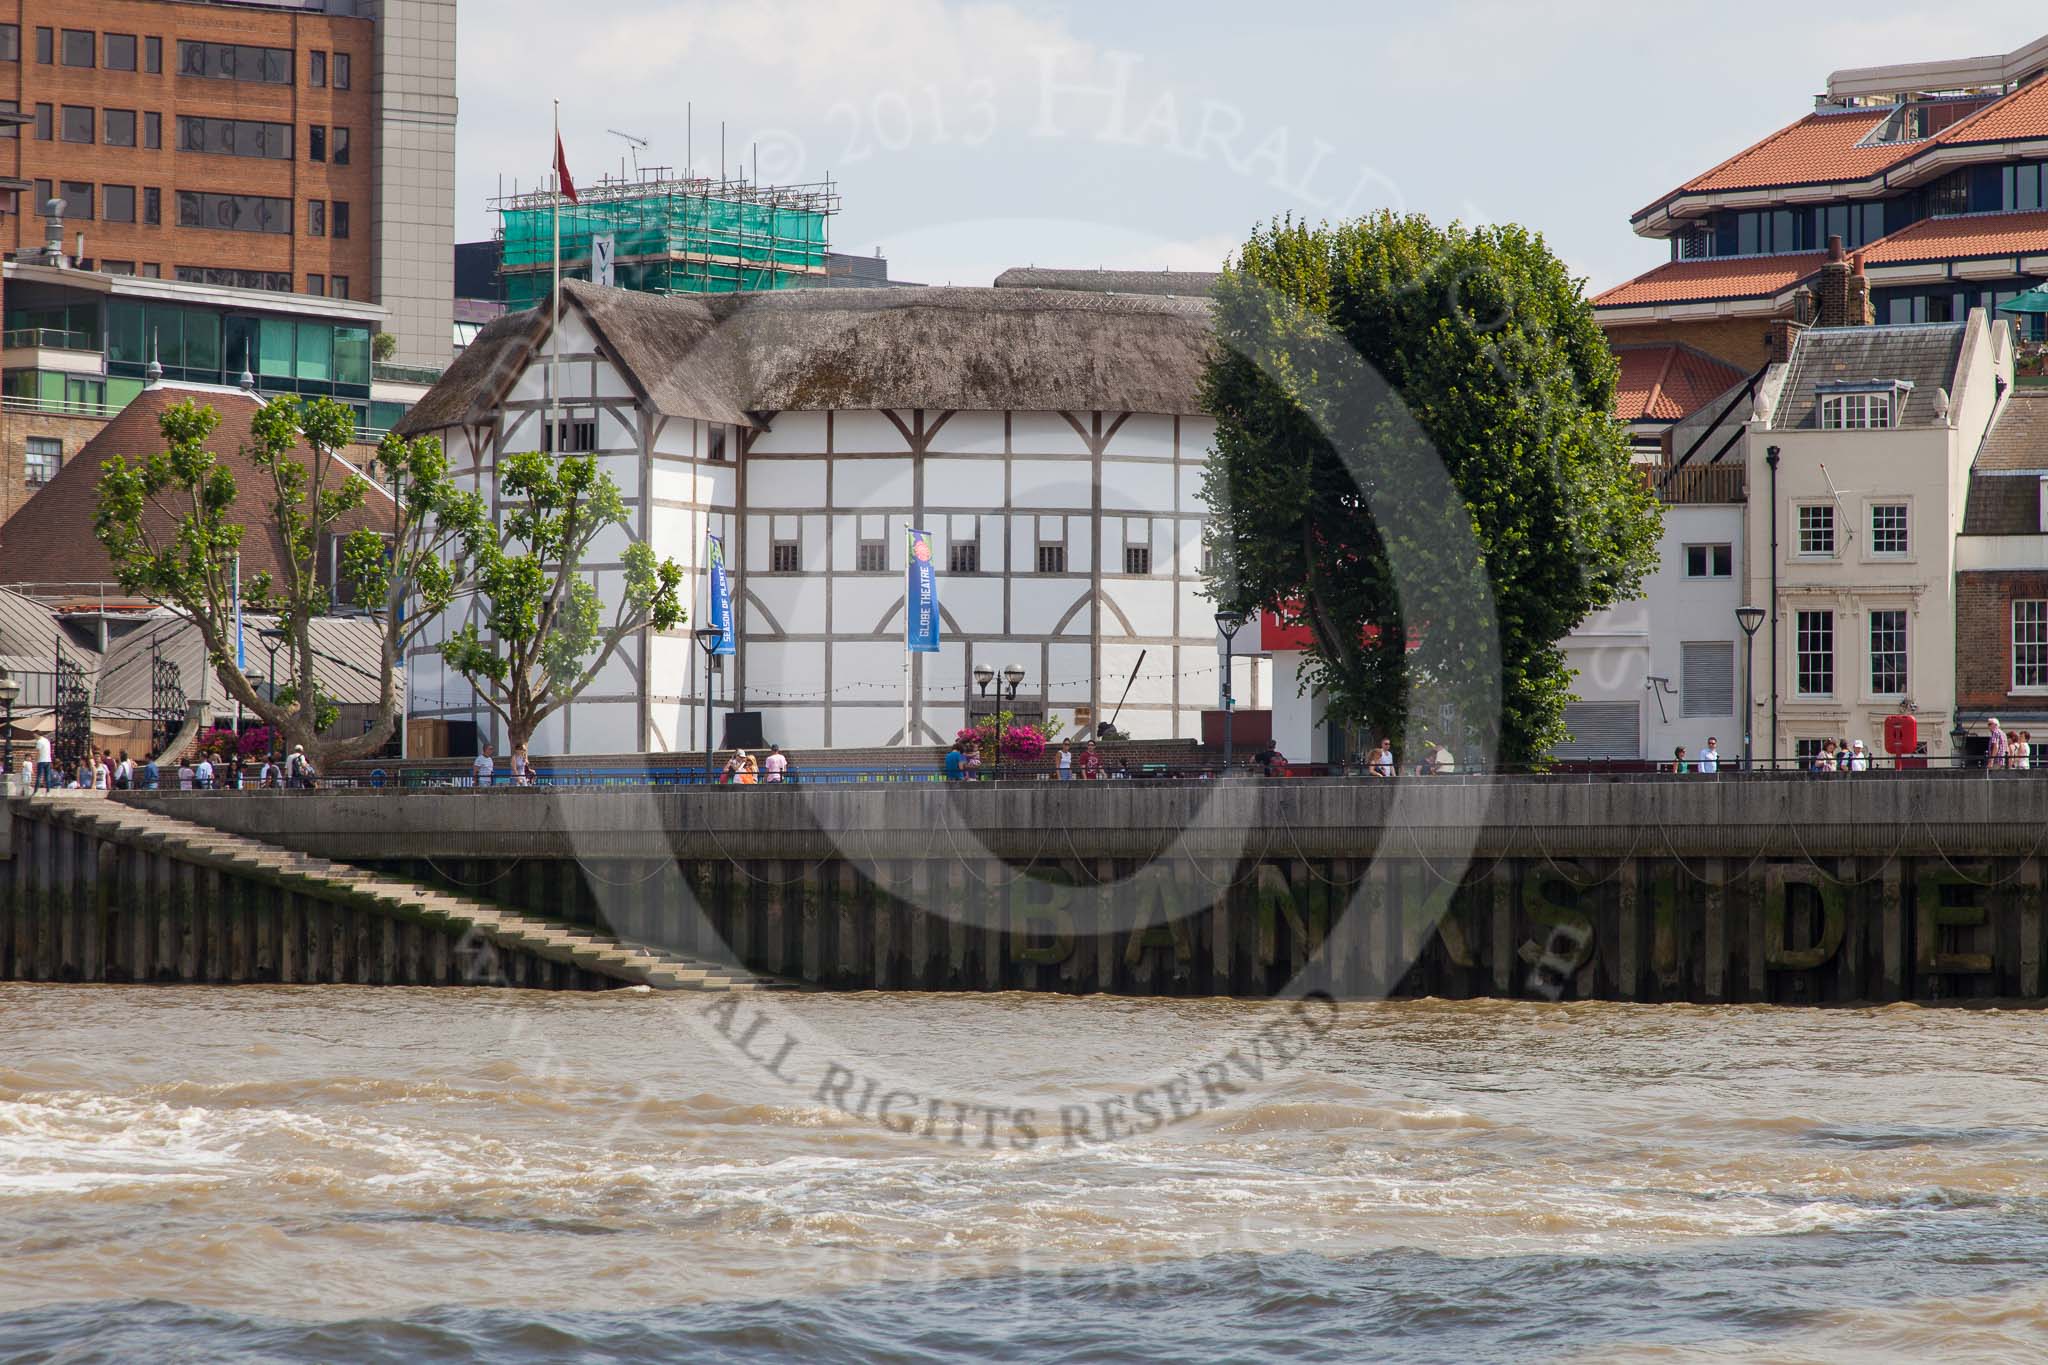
{"points": [[305, 148]]}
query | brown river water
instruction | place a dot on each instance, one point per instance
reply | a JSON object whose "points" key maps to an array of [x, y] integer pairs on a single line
{"points": [[333, 1173]]}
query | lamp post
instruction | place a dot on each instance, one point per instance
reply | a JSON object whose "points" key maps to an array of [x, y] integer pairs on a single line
{"points": [[9, 690], [1228, 624], [1013, 678], [1958, 739], [1749, 618], [707, 640], [272, 638]]}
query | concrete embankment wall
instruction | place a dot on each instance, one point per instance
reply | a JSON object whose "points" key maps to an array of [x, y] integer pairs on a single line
{"points": [[83, 902], [1798, 891]]}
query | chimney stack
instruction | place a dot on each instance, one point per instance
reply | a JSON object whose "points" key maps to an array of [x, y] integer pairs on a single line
{"points": [[1781, 338], [1844, 290]]}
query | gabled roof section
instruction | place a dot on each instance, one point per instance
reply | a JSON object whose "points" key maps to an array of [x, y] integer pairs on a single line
{"points": [[50, 539], [2018, 440], [1714, 277], [1979, 234], [2022, 114], [1664, 383], [1924, 355], [1821, 146], [485, 369]]}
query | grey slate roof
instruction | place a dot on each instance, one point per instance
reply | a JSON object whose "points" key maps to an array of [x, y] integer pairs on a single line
{"points": [[2019, 438], [1924, 354], [1186, 283], [724, 357], [2002, 505], [346, 654]]}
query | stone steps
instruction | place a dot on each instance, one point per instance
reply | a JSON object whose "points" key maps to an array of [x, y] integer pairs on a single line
{"points": [[601, 954]]}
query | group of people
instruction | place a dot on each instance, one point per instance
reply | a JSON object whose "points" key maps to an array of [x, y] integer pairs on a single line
{"points": [[742, 769], [483, 769], [106, 770], [1436, 760], [2008, 748]]}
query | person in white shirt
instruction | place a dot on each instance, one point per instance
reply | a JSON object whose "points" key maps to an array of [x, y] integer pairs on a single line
{"points": [[481, 769], [775, 765], [1444, 762], [1710, 757], [522, 767], [1065, 761], [184, 775], [1859, 757], [100, 780], [1381, 762], [202, 775], [46, 768], [124, 772]]}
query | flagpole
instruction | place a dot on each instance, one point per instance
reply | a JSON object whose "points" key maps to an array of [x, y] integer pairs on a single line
{"points": [[555, 323]]}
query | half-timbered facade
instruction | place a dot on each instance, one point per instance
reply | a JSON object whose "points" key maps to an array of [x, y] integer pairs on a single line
{"points": [[1050, 442]]}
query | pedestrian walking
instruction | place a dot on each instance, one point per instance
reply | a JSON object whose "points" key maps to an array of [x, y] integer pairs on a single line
{"points": [[750, 770], [1859, 757], [151, 777], [46, 769], [956, 762], [1065, 760], [1091, 763], [522, 767], [298, 769], [202, 774], [1996, 749], [1381, 764], [124, 772], [1710, 758], [774, 765], [482, 768], [2021, 752]]}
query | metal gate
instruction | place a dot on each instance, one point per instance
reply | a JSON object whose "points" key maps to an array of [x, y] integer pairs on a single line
{"points": [[71, 740], [166, 702]]}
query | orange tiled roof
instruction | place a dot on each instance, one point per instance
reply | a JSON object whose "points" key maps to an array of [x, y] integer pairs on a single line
{"points": [[1979, 234], [1663, 383], [1817, 147], [2022, 114], [1714, 277]]}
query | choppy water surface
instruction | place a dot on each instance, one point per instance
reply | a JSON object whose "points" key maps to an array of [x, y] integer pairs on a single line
{"points": [[333, 1173]]}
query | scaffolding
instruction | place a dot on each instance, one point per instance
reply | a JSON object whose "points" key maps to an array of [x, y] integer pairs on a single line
{"points": [[670, 234]]}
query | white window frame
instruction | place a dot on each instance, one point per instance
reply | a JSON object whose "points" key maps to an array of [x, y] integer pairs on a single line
{"points": [[1905, 650], [1799, 688], [41, 446], [1799, 530], [1708, 548], [2032, 636], [1871, 549], [1861, 410]]}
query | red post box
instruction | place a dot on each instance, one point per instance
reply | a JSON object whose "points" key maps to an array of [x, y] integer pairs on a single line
{"points": [[1901, 735]]}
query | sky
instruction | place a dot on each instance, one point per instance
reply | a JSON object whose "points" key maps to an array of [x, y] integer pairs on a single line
{"points": [[968, 136]]}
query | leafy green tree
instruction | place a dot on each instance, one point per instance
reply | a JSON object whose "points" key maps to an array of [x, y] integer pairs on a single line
{"points": [[548, 637], [169, 522], [1415, 450]]}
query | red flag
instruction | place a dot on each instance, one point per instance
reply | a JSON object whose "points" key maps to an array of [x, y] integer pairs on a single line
{"points": [[568, 186]]}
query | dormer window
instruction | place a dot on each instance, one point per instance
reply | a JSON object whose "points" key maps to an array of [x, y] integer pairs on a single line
{"points": [[1862, 407]]}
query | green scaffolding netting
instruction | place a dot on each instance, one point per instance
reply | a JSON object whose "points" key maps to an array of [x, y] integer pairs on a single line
{"points": [[665, 243]]}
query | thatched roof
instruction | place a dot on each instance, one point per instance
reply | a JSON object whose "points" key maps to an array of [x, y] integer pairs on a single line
{"points": [[1187, 283], [722, 357]]}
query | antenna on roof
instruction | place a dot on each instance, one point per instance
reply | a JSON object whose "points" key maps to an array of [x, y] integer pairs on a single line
{"points": [[633, 146], [154, 371]]}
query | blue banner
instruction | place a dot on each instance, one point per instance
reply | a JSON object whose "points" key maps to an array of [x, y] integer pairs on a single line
{"points": [[721, 596], [921, 596]]}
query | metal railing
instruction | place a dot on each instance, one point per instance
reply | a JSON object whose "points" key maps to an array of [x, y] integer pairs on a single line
{"points": [[404, 374], [398, 776], [57, 407], [48, 338]]}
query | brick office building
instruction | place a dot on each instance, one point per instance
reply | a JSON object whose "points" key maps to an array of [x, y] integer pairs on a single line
{"points": [[305, 148], [2002, 571]]}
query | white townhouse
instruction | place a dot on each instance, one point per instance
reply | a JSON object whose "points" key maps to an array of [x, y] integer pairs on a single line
{"points": [[1860, 453], [1049, 440]]}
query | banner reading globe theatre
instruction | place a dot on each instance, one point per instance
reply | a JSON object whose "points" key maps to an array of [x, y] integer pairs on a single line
{"points": [[921, 595]]}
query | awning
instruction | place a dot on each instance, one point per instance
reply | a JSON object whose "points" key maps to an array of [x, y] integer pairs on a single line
{"points": [[2035, 300], [47, 724]]}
